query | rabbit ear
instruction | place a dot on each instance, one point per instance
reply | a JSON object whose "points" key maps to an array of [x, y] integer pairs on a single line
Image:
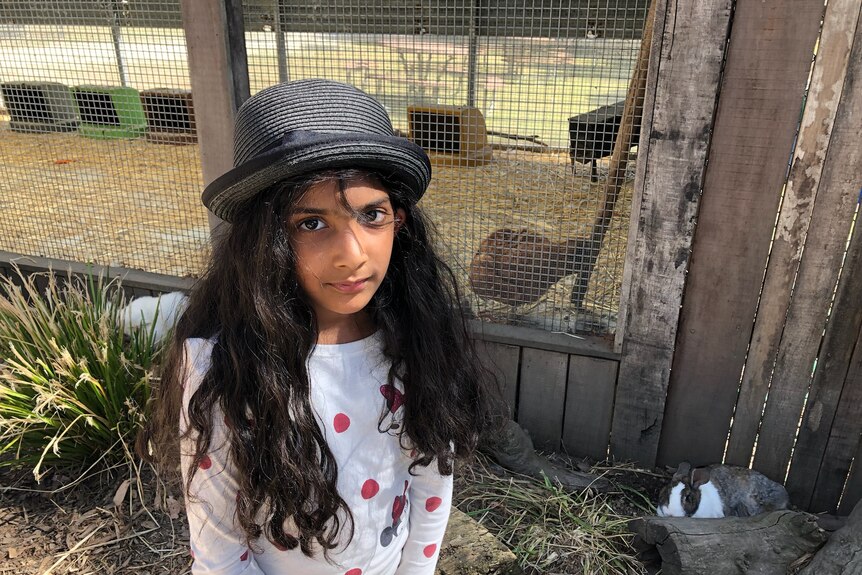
{"points": [[699, 476], [682, 471]]}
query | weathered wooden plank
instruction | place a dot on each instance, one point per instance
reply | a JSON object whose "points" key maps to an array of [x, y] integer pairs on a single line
{"points": [[793, 224], [542, 396], [136, 292], [589, 406], [831, 382], [831, 219], [844, 435], [589, 345], [689, 38], [768, 61], [503, 361], [853, 490], [843, 444], [218, 72], [159, 283]]}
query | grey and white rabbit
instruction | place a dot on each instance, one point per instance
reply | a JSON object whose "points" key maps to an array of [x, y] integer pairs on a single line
{"points": [[720, 491], [164, 310]]}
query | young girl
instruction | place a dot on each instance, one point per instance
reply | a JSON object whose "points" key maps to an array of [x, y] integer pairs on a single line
{"points": [[321, 378]]}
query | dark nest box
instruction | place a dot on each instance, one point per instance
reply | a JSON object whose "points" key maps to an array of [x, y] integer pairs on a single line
{"points": [[452, 135], [170, 116], [40, 107], [592, 135], [110, 112]]}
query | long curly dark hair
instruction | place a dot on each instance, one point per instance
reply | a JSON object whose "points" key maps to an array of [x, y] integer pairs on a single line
{"points": [[249, 297]]}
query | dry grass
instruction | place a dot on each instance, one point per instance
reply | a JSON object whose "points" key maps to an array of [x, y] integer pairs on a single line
{"points": [[130, 521], [552, 530]]}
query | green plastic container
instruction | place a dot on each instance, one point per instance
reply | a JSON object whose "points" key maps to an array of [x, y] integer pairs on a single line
{"points": [[109, 112]]}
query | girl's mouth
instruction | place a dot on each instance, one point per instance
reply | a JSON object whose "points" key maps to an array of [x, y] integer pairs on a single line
{"points": [[350, 287]]}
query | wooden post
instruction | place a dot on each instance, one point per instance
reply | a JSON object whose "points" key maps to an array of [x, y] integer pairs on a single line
{"points": [[632, 114], [687, 52], [219, 76]]}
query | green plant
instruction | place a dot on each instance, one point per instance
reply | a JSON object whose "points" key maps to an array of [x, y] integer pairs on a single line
{"points": [[72, 386]]}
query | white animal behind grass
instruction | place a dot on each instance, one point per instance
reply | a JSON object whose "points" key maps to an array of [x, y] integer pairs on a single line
{"points": [[158, 313]]}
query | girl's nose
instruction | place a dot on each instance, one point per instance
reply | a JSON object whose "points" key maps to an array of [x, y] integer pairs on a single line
{"points": [[350, 250]]}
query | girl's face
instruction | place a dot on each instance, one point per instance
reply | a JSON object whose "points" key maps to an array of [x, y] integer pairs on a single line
{"points": [[342, 257]]}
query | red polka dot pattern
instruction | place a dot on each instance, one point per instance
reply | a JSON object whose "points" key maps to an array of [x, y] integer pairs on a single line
{"points": [[354, 572], [432, 503], [341, 423], [206, 462], [370, 489], [429, 550]]}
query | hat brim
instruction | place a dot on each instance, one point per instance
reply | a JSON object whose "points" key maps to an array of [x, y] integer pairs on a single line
{"points": [[398, 158]]}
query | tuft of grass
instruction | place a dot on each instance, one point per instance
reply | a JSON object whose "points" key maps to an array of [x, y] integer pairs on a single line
{"points": [[550, 529], [72, 386]]}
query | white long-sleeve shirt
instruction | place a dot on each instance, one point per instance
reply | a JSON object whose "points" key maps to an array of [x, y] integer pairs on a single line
{"points": [[399, 519]]}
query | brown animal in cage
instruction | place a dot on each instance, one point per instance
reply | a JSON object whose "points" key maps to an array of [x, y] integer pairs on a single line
{"points": [[517, 267]]}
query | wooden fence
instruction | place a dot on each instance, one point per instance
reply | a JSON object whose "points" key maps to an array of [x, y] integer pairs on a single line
{"points": [[717, 357], [730, 346]]}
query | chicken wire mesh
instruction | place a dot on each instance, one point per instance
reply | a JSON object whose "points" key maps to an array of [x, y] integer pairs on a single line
{"points": [[518, 107], [97, 132]]}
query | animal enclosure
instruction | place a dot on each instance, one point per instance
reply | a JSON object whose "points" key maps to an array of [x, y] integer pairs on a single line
{"points": [[519, 73], [725, 337]]}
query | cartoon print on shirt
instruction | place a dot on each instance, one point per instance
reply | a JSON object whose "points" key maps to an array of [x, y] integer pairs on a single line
{"points": [[398, 507], [394, 400]]}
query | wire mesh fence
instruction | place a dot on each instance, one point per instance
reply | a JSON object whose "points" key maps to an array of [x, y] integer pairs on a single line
{"points": [[95, 111], [518, 107]]}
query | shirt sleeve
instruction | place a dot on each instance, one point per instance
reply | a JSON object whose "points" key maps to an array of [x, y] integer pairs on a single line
{"points": [[430, 503], [218, 547]]}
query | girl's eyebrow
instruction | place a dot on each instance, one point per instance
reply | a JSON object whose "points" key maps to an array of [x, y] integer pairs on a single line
{"points": [[307, 210]]}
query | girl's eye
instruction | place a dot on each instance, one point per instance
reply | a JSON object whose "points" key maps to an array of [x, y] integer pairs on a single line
{"points": [[311, 224], [375, 216]]}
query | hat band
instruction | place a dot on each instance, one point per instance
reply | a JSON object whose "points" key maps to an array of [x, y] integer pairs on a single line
{"points": [[291, 137]]}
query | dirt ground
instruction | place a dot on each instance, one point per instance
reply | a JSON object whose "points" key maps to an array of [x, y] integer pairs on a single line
{"points": [[110, 525], [135, 204]]}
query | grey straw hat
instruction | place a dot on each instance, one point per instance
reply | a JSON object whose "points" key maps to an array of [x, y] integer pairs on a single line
{"points": [[305, 126]]}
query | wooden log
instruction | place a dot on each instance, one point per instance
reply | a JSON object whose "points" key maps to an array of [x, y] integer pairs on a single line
{"points": [[841, 555], [470, 549], [765, 545]]}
